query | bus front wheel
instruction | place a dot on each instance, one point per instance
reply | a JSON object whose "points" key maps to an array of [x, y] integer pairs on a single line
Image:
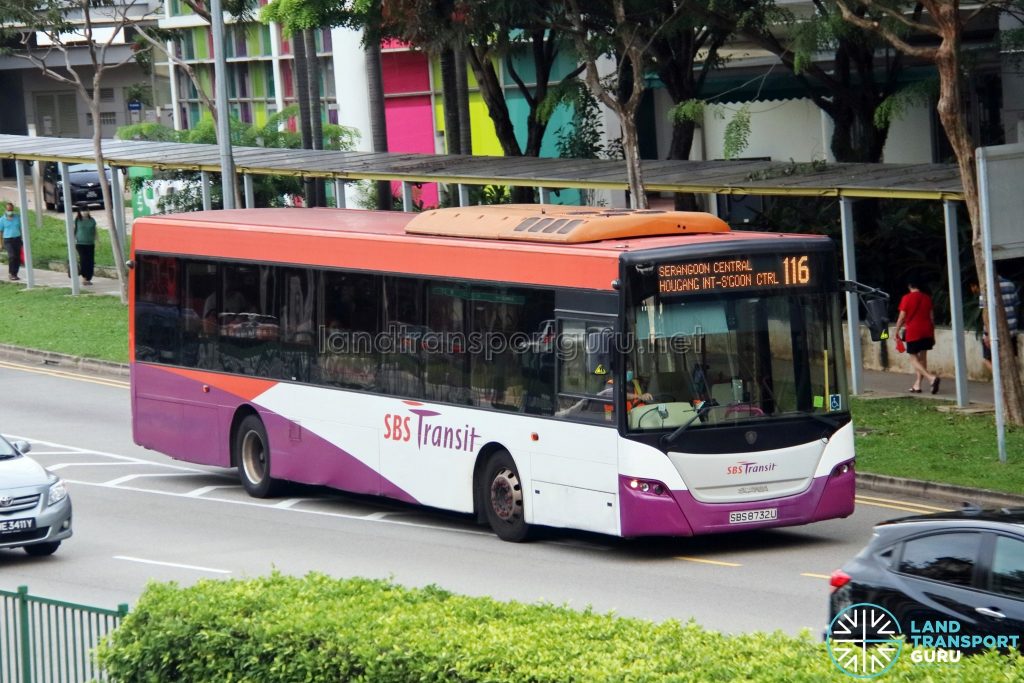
{"points": [[252, 455], [501, 494]]}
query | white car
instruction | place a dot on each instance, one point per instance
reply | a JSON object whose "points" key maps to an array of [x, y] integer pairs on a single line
{"points": [[35, 509]]}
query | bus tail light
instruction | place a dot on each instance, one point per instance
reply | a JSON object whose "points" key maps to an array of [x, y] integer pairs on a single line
{"points": [[648, 486], [838, 580]]}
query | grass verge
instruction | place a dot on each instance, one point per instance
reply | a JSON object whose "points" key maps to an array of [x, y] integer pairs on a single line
{"points": [[908, 437], [90, 325]]}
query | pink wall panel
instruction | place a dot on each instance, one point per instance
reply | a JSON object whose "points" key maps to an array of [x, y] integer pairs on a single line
{"points": [[411, 129], [405, 72]]}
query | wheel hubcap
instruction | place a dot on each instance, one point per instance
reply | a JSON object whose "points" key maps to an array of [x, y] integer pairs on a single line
{"points": [[254, 457], [506, 495]]}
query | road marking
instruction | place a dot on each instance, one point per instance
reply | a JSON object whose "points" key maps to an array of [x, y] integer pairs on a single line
{"points": [[816, 576], [897, 505], [869, 500], [63, 374], [288, 502], [717, 563], [173, 564], [202, 491], [74, 450], [62, 465], [114, 483]]}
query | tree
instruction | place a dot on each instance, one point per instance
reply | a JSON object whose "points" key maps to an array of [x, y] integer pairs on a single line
{"points": [[73, 25], [943, 26]]}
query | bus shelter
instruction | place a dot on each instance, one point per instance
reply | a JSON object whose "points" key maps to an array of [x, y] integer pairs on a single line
{"points": [[845, 181]]}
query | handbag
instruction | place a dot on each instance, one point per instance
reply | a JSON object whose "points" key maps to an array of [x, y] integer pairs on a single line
{"points": [[900, 346]]}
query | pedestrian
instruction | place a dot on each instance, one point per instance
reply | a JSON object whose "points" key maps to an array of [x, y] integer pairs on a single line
{"points": [[1010, 299], [916, 326], [85, 243], [10, 226]]}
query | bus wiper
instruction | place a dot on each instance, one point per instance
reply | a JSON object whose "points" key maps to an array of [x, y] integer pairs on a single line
{"points": [[820, 418], [703, 410]]}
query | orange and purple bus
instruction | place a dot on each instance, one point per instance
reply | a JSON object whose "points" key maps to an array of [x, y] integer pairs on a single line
{"points": [[629, 372]]}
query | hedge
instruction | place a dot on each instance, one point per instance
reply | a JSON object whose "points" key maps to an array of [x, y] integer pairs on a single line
{"points": [[316, 628]]}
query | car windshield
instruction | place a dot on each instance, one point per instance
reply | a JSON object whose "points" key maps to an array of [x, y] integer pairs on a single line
{"points": [[6, 449], [82, 168]]}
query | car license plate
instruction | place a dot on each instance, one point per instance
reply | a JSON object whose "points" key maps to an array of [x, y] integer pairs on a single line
{"points": [[13, 526], [90, 195], [746, 516]]}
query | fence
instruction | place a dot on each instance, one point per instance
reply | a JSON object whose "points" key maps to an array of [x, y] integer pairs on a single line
{"points": [[50, 641]]}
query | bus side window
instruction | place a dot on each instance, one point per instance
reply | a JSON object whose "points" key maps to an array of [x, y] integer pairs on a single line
{"points": [[584, 392], [347, 355]]}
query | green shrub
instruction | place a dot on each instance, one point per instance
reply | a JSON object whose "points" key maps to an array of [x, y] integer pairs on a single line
{"points": [[281, 628]]}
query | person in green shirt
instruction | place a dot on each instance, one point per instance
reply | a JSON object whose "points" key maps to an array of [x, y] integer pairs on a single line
{"points": [[85, 243]]}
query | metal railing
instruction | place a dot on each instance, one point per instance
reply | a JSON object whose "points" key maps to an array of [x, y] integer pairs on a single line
{"points": [[51, 641]]}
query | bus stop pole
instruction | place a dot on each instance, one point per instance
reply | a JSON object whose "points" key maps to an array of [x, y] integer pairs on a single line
{"points": [[956, 304], [406, 196], [545, 195], [852, 302], [463, 195], [339, 193], [117, 197], [204, 182], [30, 277], [250, 194], [69, 227], [991, 300]]}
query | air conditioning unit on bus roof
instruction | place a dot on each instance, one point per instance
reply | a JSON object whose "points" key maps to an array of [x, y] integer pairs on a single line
{"points": [[560, 224]]}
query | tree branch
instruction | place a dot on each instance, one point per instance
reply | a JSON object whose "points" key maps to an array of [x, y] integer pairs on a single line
{"points": [[897, 41]]}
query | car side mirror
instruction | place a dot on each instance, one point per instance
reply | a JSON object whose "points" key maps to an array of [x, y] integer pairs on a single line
{"points": [[22, 446]]}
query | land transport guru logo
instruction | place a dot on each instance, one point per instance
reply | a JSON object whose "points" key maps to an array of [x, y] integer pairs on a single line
{"points": [[865, 640]]}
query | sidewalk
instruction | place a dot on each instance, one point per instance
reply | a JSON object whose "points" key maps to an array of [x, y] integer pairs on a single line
{"points": [[52, 278]]}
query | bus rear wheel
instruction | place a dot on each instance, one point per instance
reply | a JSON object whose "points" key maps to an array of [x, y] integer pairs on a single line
{"points": [[501, 495], [252, 455]]}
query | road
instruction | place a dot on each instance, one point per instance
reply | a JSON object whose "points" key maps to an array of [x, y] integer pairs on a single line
{"points": [[140, 516]]}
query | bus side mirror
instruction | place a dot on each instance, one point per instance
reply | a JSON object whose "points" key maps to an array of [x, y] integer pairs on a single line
{"points": [[877, 318]]}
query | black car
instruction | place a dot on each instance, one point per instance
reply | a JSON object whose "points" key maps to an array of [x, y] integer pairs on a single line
{"points": [[85, 186], [959, 575]]}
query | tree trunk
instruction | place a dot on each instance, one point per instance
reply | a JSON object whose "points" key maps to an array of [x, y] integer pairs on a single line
{"points": [[316, 124], [450, 98], [302, 97], [950, 108], [108, 199], [462, 93], [634, 172], [378, 119]]}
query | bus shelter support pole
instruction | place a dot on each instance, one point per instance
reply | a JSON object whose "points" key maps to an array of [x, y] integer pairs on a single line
{"points": [[250, 194], [117, 196], [406, 196], [463, 195], [69, 227], [204, 182], [545, 195], [30, 277], [992, 299], [956, 304], [852, 302], [339, 193]]}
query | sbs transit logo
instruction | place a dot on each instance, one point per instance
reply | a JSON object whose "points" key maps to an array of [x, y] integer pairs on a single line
{"points": [[864, 640]]}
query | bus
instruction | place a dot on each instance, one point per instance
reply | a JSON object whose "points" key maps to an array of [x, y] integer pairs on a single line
{"points": [[628, 372]]}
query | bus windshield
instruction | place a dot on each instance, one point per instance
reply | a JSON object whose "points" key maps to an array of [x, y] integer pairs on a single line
{"points": [[733, 356]]}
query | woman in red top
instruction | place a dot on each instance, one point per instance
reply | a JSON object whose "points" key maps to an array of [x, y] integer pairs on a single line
{"points": [[916, 326]]}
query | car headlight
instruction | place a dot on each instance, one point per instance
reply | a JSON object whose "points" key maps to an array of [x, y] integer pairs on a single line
{"points": [[58, 492]]}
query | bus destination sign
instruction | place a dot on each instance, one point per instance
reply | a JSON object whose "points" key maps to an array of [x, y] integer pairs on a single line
{"points": [[737, 273]]}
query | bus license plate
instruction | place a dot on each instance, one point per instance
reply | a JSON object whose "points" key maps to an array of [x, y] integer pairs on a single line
{"points": [[13, 526], [746, 516]]}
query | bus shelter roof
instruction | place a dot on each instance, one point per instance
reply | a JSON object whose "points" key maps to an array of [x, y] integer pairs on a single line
{"points": [[761, 177]]}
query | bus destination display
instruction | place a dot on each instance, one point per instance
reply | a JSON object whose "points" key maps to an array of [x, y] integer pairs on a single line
{"points": [[737, 273]]}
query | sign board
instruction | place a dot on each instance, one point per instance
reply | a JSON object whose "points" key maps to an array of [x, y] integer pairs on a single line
{"points": [[737, 273], [1004, 170]]}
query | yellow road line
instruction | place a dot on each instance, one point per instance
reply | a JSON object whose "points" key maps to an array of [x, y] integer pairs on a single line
{"points": [[896, 505], [62, 374], [869, 499], [717, 563], [816, 576]]}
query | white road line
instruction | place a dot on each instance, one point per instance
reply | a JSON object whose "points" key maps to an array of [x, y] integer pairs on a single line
{"points": [[203, 490], [73, 450], [173, 564], [128, 477], [288, 502], [373, 517], [62, 465], [50, 452], [376, 516]]}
